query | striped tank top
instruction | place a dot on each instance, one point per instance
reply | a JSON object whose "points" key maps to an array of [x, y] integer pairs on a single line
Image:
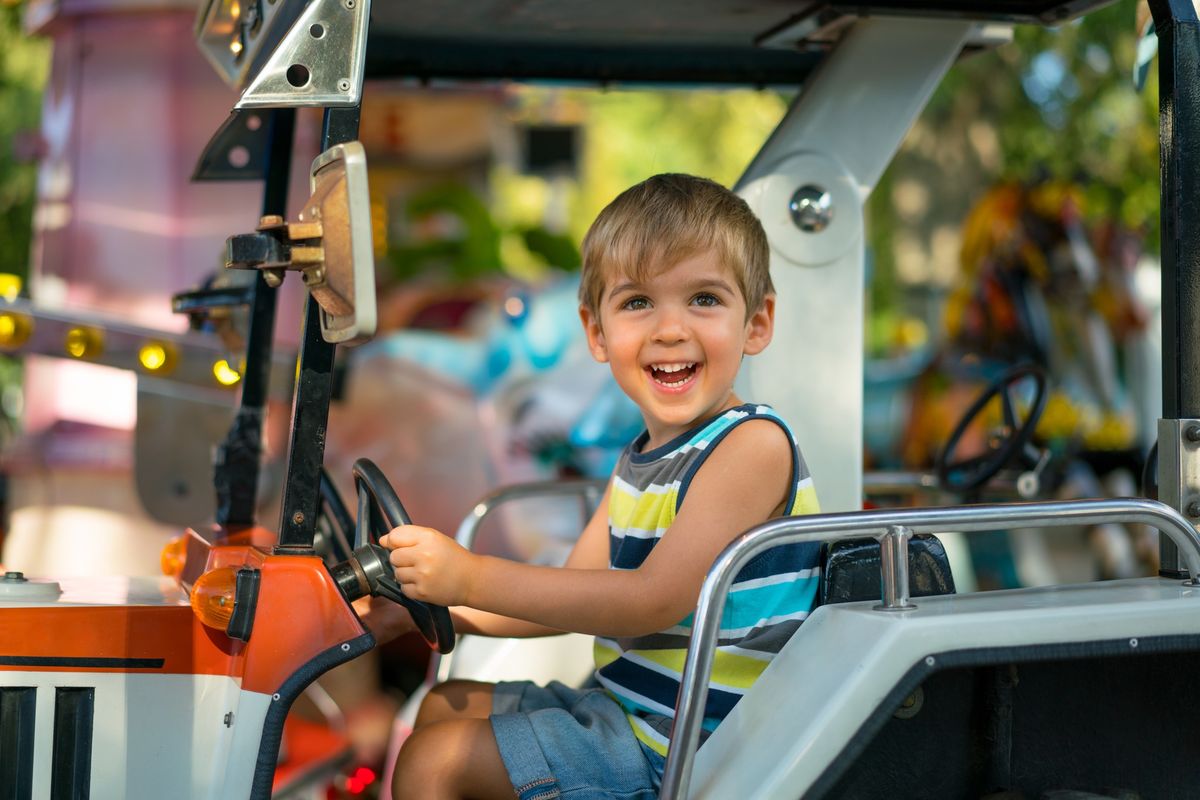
{"points": [[768, 600]]}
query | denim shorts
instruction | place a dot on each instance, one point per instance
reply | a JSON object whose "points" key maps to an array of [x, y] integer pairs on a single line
{"points": [[573, 743]]}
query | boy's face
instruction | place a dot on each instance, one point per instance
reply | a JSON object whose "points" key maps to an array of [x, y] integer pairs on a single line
{"points": [[675, 342]]}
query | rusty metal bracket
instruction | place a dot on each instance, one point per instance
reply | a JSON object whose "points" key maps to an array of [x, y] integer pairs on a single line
{"points": [[329, 245]]}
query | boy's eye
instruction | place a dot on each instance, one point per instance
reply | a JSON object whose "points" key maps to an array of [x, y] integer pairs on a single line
{"points": [[706, 299], [635, 304]]}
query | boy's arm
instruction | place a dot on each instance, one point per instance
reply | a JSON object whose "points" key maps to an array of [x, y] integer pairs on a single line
{"points": [[741, 484], [388, 620]]}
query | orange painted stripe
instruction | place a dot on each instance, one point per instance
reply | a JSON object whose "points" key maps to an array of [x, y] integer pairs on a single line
{"points": [[170, 633], [300, 614]]}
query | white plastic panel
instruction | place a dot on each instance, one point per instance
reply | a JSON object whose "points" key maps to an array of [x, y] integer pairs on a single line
{"points": [[845, 659], [840, 134]]}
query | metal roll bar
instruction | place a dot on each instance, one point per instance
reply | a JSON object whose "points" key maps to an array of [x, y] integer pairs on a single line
{"points": [[588, 491], [893, 527]]}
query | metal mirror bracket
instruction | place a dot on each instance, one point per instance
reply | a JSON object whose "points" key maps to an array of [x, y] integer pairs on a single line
{"points": [[238, 151], [1178, 480], [319, 62]]}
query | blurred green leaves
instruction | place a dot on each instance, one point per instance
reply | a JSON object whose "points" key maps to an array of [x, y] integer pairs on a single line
{"points": [[24, 63], [1055, 103]]}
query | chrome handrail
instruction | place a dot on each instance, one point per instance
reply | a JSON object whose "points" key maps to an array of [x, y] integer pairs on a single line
{"points": [[589, 491], [894, 524]]}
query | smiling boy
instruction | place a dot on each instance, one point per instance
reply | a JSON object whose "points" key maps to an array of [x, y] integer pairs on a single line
{"points": [[675, 291]]}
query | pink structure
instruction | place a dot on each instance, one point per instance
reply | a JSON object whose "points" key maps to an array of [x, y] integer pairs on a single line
{"points": [[129, 107]]}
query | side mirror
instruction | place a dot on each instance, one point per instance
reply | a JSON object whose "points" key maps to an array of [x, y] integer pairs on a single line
{"points": [[329, 245]]}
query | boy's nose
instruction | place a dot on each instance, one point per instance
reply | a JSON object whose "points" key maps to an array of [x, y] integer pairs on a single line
{"points": [[670, 328]]}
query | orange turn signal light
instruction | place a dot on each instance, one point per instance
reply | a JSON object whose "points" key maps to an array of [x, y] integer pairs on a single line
{"points": [[173, 557], [213, 597]]}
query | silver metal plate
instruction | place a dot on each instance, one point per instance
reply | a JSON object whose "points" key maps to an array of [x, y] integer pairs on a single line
{"points": [[319, 62]]}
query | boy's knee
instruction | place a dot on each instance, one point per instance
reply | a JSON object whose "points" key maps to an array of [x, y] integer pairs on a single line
{"points": [[455, 699], [419, 764], [438, 760]]}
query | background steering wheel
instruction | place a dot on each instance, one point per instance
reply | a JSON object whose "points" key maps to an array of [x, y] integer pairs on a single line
{"points": [[965, 475], [380, 510]]}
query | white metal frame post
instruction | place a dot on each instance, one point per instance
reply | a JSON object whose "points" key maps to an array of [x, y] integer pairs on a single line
{"points": [[816, 171]]}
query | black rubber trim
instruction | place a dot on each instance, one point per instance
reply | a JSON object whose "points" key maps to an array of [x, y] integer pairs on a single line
{"points": [[18, 709], [245, 602], [281, 703], [62, 661], [71, 764], [985, 656]]}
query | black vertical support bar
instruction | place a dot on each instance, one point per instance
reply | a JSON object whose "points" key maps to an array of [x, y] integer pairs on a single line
{"points": [[1179, 166], [71, 763], [18, 707], [239, 457], [310, 406]]}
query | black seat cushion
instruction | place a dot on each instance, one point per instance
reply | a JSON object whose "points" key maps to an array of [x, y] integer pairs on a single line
{"points": [[851, 570]]}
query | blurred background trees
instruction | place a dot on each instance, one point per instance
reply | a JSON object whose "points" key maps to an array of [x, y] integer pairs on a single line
{"points": [[1054, 103], [24, 63]]}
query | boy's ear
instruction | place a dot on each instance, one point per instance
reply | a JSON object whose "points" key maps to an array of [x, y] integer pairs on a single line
{"points": [[595, 334], [760, 327]]}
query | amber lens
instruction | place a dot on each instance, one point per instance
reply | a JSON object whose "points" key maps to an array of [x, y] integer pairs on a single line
{"points": [[173, 556], [213, 597]]}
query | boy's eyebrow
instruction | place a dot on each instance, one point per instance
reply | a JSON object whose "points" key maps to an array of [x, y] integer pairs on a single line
{"points": [[701, 283], [626, 286]]}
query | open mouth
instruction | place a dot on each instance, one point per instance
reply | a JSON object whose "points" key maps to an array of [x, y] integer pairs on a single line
{"points": [[672, 376]]}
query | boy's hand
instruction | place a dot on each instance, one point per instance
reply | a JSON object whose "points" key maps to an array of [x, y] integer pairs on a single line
{"points": [[430, 566], [383, 618]]}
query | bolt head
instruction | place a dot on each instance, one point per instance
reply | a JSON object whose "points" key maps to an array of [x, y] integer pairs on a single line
{"points": [[1192, 432], [811, 208], [298, 517]]}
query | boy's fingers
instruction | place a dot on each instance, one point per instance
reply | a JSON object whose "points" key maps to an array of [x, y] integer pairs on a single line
{"points": [[400, 536]]}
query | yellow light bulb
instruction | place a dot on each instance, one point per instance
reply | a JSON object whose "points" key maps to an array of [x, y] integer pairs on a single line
{"points": [[84, 342], [225, 374], [15, 330], [158, 357], [10, 286]]}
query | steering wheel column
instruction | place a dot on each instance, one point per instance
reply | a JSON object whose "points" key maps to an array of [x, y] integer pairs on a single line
{"points": [[369, 572]]}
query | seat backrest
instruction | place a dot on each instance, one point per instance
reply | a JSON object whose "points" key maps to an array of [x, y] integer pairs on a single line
{"points": [[851, 570]]}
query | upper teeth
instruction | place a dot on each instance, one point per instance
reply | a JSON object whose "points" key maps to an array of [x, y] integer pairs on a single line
{"points": [[671, 367]]}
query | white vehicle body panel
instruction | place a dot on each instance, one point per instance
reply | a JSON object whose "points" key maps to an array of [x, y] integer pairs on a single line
{"points": [[846, 659]]}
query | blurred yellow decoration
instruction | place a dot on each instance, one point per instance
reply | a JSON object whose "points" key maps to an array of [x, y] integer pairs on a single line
{"points": [[911, 334], [225, 374], [15, 330], [84, 342], [1111, 430], [10, 286], [1061, 419], [158, 357]]}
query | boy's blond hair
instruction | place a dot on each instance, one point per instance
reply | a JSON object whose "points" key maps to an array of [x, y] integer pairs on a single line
{"points": [[665, 219]]}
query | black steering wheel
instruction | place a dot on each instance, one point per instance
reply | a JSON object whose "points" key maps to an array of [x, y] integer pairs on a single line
{"points": [[380, 510], [965, 475], [334, 537]]}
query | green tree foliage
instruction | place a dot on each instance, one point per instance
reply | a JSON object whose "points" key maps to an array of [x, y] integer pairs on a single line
{"points": [[1054, 103], [24, 63]]}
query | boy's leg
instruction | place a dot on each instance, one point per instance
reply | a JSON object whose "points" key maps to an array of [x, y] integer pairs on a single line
{"points": [[451, 758], [457, 699]]}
